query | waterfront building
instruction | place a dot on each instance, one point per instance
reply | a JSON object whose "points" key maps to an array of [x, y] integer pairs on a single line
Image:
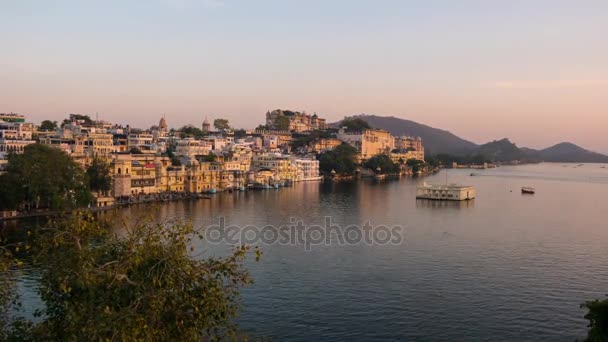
{"points": [[280, 165], [410, 145], [369, 142], [307, 169]]}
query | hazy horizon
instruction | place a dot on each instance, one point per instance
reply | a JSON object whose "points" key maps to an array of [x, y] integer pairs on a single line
{"points": [[535, 73]]}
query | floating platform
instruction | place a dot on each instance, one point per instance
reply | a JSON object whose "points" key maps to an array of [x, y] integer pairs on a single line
{"points": [[447, 192]]}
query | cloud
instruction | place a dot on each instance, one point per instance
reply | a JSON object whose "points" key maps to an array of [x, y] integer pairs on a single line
{"points": [[548, 84]]}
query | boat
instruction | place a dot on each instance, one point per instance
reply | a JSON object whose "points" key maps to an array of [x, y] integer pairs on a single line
{"points": [[528, 190], [241, 188], [212, 191]]}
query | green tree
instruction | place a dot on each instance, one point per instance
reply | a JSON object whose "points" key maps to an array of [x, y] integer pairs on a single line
{"points": [[282, 123], [209, 158], [381, 164], [341, 160], [146, 284], [240, 133], [48, 125], [99, 175], [415, 164], [221, 124], [597, 315], [192, 131], [355, 124], [43, 177], [135, 150]]}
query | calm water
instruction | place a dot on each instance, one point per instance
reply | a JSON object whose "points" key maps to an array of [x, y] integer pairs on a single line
{"points": [[505, 267]]}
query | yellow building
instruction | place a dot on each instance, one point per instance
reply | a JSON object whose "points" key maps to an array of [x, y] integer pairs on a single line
{"points": [[370, 142], [281, 166]]}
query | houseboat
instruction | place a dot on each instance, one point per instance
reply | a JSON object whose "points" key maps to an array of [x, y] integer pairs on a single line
{"points": [[528, 190], [447, 192]]}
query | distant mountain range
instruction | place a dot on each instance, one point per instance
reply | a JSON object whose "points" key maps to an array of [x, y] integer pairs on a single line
{"points": [[438, 141]]}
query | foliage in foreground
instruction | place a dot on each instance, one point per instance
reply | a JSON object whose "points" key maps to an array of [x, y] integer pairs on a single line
{"points": [[143, 285], [43, 177], [598, 320]]}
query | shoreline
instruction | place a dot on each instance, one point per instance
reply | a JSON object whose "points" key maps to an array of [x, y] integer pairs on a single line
{"points": [[179, 196]]}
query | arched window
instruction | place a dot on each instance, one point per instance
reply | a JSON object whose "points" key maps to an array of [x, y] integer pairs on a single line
{"points": [[119, 170]]}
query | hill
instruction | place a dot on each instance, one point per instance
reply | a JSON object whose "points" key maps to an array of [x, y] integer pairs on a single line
{"points": [[568, 152], [438, 141], [504, 150], [435, 140]]}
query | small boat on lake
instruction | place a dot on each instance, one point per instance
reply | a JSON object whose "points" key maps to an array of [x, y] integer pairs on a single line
{"points": [[528, 190]]}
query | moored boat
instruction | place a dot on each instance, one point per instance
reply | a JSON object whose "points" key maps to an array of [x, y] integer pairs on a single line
{"points": [[528, 190]]}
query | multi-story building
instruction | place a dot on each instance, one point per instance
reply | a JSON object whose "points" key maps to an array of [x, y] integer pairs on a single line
{"points": [[12, 117], [15, 134], [307, 169], [298, 122], [407, 148], [324, 144], [96, 144], [190, 148], [142, 141], [280, 165], [370, 142]]}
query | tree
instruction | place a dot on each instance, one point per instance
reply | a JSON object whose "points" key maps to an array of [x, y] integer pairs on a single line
{"points": [[221, 124], [192, 131], [209, 157], [597, 316], [144, 285], [381, 164], [341, 160], [240, 133], [43, 177], [99, 175], [415, 164], [48, 125], [355, 124], [135, 150], [282, 123]]}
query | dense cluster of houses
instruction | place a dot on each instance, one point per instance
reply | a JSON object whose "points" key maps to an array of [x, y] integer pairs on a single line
{"points": [[160, 160]]}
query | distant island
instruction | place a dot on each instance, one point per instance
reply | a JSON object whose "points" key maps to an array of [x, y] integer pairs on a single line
{"points": [[445, 144]]}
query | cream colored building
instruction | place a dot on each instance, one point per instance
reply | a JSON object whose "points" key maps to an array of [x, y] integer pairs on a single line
{"points": [[370, 142]]}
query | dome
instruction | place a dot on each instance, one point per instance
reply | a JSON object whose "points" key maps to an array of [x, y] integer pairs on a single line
{"points": [[163, 123]]}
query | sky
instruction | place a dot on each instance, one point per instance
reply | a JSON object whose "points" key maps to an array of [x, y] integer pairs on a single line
{"points": [[534, 71]]}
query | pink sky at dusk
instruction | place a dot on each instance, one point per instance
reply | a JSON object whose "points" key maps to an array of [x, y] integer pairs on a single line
{"points": [[537, 74]]}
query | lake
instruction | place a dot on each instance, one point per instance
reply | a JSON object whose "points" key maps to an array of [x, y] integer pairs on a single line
{"points": [[503, 267]]}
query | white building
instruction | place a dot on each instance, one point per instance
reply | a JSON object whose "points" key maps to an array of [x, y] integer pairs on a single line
{"points": [[451, 192], [307, 169], [14, 134]]}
